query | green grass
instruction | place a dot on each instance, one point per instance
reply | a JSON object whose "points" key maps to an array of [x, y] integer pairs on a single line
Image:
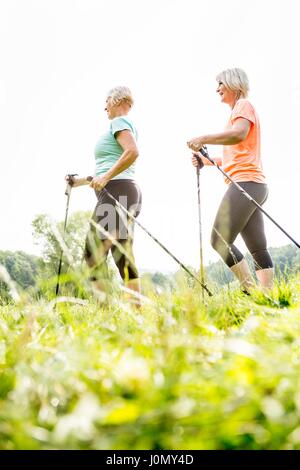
{"points": [[176, 375]]}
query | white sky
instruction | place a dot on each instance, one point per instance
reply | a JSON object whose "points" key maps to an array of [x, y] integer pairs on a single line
{"points": [[60, 57]]}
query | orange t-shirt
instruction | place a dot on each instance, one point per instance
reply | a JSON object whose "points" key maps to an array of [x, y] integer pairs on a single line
{"points": [[242, 161]]}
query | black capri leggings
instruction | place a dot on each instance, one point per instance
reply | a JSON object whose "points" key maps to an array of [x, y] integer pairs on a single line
{"points": [[128, 193], [237, 214]]}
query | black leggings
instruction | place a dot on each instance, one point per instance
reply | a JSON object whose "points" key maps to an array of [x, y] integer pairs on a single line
{"points": [[128, 193], [237, 214]]}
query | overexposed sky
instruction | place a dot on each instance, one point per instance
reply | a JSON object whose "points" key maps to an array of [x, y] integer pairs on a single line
{"points": [[60, 57]]}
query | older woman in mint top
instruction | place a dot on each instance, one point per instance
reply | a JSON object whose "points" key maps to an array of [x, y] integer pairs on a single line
{"points": [[115, 153], [108, 148]]}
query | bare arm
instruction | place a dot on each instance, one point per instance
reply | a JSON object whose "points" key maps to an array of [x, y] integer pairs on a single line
{"points": [[233, 136], [76, 182], [130, 154], [79, 182]]}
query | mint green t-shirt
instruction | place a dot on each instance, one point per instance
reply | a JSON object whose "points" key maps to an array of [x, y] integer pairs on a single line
{"points": [[108, 150]]}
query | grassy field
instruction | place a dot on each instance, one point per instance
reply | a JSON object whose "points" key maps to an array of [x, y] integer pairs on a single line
{"points": [[177, 374]]}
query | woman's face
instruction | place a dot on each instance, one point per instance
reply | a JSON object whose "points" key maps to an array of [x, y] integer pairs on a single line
{"points": [[227, 96], [110, 108]]}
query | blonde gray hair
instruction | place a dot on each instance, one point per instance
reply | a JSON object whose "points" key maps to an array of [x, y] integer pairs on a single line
{"points": [[235, 80], [119, 94]]}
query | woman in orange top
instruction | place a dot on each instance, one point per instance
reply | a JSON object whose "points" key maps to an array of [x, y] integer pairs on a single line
{"points": [[242, 162]]}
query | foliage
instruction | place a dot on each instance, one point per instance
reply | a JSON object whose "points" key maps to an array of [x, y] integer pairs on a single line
{"points": [[286, 261], [21, 266], [74, 237], [179, 374]]}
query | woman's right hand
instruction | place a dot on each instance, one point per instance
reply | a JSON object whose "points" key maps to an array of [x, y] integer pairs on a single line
{"points": [[195, 160], [71, 180]]}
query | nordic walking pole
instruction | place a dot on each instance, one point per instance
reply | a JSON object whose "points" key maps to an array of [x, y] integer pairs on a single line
{"points": [[204, 152], [200, 165], [204, 287], [68, 194], [89, 178]]}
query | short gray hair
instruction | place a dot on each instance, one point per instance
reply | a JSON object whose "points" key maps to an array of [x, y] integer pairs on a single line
{"points": [[236, 80], [119, 94]]}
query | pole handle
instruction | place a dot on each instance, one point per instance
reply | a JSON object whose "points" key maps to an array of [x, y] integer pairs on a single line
{"points": [[69, 183], [204, 152]]}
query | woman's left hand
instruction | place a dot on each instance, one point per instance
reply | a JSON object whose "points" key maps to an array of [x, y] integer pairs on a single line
{"points": [[98, 183], [196, 144]]}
